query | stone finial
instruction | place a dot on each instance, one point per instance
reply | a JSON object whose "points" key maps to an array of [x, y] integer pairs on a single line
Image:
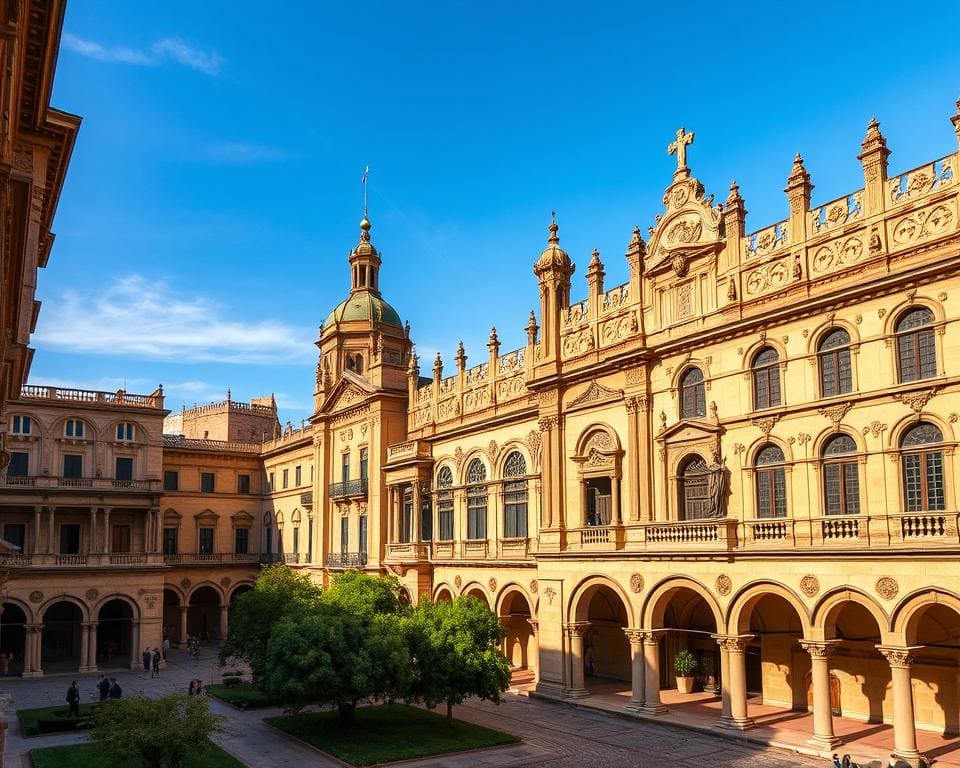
{"points": [[228, 395], [532, 328], [406, 329], [413, 366], [437, 365], [595, 262], [461, 357], [874, 139], [493, 343], [955, 119], [798, 174], [734, 197], [554, 238]]}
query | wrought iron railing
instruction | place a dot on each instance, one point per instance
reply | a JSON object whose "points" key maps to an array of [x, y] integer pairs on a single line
{"points": [[344, 560], [348, 489]]}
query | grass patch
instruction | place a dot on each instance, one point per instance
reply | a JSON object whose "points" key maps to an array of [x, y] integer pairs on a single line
{"points": [[386, 733], [92, 756], [240, 695], [44, 720]]}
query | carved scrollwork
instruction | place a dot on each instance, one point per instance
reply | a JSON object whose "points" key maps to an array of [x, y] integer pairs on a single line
{"points": [[887, 587], [636, 583], [915, 401], [810, 585]]}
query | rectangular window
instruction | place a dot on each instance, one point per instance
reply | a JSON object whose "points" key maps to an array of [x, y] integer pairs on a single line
{"points": [[477, 513], [345, 467], [19, 464], [124, 468], [74, 428], [406, 516], [170, 540], [310, 540], [243, 483], [934, 462], [21, 425], [344, 535], [363, 535], [297, 477], [515, 509], [120, 538], [363, 463], [445, 515], [270, 482], [269, 543], [206, 541], [426, 518], [16, 534], [72, 465], [70, 539], [241, 540], [124, 431], [206, 482], [171, 480], [296, 540], [286, 478]]}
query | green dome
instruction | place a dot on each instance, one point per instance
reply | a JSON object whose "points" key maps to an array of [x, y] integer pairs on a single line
{"points": [[363, 306]]}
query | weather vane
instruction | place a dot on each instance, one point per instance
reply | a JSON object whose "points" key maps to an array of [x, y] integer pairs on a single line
{"points": [[363, 183]]}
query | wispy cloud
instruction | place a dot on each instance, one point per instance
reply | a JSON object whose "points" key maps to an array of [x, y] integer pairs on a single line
{"points": [[165, 50], [243, 153], [148, 320]]}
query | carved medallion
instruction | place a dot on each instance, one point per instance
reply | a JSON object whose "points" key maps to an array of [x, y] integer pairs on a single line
{"points": [[534, 587], [636, 583], [724, 584], [185, 583], [887, 587], [809, 585], [457, 582], [36, 596], [225, 581], [151, 601], [92, 594], [492, 584]]}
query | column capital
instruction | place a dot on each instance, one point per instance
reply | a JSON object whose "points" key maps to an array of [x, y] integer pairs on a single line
{"points": [[898, 657], [34, 628], [184, 608], [534, 625], [577, 628], [819, 649], [733, 643], [89, 624]]}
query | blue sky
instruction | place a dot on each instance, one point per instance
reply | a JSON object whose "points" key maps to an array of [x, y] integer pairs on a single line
{"points": [[214, 192]]}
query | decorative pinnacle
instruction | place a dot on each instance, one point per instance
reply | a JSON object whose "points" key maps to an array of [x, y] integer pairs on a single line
{"points": [[554, 239], [532, 321], [798, 174], [734, 195], [493, 341], [874, 139], [437, 363], [365, 229]]}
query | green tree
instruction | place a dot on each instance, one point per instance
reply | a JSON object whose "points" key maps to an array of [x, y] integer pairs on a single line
{"points": [[279, 593], [364, 595], [455, 648], [159, 733], [336, 656]]}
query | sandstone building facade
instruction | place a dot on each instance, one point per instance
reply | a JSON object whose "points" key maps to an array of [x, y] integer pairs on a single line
{"points": [[747, 451]]}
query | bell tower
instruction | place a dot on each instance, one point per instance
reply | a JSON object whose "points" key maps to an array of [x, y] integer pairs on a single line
{"points": [[365, 263]]}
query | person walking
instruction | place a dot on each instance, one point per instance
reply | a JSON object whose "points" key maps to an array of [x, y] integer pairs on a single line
{"points": [[146, 659], [73, 699], [103, 687], [166, 647], [155, 658], [115, 690]]}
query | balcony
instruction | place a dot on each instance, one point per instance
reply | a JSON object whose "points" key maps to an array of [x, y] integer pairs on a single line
{"points": [[770, 532], [86, 483], [341, 561], [408, 552], [475, 549], [217, 558], [306, 500], [349, 489], [444, 550], [515, 549], [116, 560], [596, 538], [119, 398], [720, 533]]}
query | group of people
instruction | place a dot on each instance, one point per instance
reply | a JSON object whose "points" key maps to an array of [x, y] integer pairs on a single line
{"points": [[151, 661], [196, 687], [107, 688]]}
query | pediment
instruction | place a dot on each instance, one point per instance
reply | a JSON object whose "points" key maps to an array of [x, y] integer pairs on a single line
{"points": [[350, 390], [690, 431], [690, 227], [594, 393]]}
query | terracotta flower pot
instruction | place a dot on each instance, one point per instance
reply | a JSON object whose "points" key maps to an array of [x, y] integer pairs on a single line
{"points": [[685, 684]]}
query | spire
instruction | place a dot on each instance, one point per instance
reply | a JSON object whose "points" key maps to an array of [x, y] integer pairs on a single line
{"points": [[554, 238], [364, 262], [798, 173]]}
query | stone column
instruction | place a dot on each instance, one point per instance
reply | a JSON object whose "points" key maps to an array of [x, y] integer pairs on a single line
{"points": [[183, 625], [415, 532], [583, 503], [31, 659], [36, 529], [155, 512], [617, 518], [92, 538], [84, 646], [576, 631], [394, 516], [904, 727], [106, 530], [533, 660], [651, 681], [820, 652], [724, 678], [224, 620], [136, 646], [637, 672], [51, 540], [735, 687]]}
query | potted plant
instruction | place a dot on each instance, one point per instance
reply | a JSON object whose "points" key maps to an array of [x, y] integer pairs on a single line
{"points": [[683, 664]]}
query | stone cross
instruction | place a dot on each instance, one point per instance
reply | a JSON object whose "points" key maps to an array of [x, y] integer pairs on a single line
{"points": [[679, 148]]}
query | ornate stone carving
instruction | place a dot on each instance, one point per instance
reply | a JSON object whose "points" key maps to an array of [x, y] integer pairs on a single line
{"points": [[151, 601], [492, 584], [550, 593], [578, 628], [887, 587], [732, 644], [636, 583], [915, 401], [837, 254], [897, 657], [594, 392], [458, 456], [724, 584], [635, 376], [766, 423], [533, 444], [835, 412], [768, 276], [534, 587], [186, 583], [547, 423], [36, 596], [92, 594], [738, 448], [810, 585], [929, 222], [457, 581], [225, 581], [877, 428], [953, 418], [818, 650]]}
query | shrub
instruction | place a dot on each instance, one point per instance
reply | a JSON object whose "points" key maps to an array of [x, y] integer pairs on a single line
{"points": [[231, 682], [684, 663]]}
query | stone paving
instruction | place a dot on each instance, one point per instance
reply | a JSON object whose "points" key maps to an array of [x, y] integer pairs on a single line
{"points": [[553, 734]]}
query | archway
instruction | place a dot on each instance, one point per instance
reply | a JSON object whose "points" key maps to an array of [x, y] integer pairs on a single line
{"points": [[601, 617], [519, 645], [861, 671], [13, 636], [203, 614], [115, 641], [686, 621], [61, 641], [936, 628], [171, 618], [443, 595], [239, 590], [478, 593]]}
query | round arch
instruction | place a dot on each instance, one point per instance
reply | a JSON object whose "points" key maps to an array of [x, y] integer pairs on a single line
{"points": [[245, 586], [681, 370], [909, 609], [902, 425], [443, 593], [130, 601], [587, 433], [749, 353], [916, 302], [502, 601], [509, 448], [823, 437], [818, 332], [23, 606], [200, 585], [84, 608], [745, 600], [445, 463], [109, 433], [833, 601], [90, 432], [203, 610], [579, 603], [659, 598], [475, 589], [475, 455], [760, 443]]}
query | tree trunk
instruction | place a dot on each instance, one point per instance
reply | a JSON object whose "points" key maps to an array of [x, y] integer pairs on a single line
{"points": [[449, 710], [346, 710]]}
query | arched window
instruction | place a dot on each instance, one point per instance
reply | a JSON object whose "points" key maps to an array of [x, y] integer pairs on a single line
{"points": [[515, 496], [923, 468], [694, 489], [445, 503], [766, 379], [834, 357], [771, 482], [916, 348], [841, 480], [692, 398], [476, 500], [74, 429]]}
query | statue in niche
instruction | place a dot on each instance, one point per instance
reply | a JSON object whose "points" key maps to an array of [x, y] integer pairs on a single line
{"points": [[717, 486]]}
